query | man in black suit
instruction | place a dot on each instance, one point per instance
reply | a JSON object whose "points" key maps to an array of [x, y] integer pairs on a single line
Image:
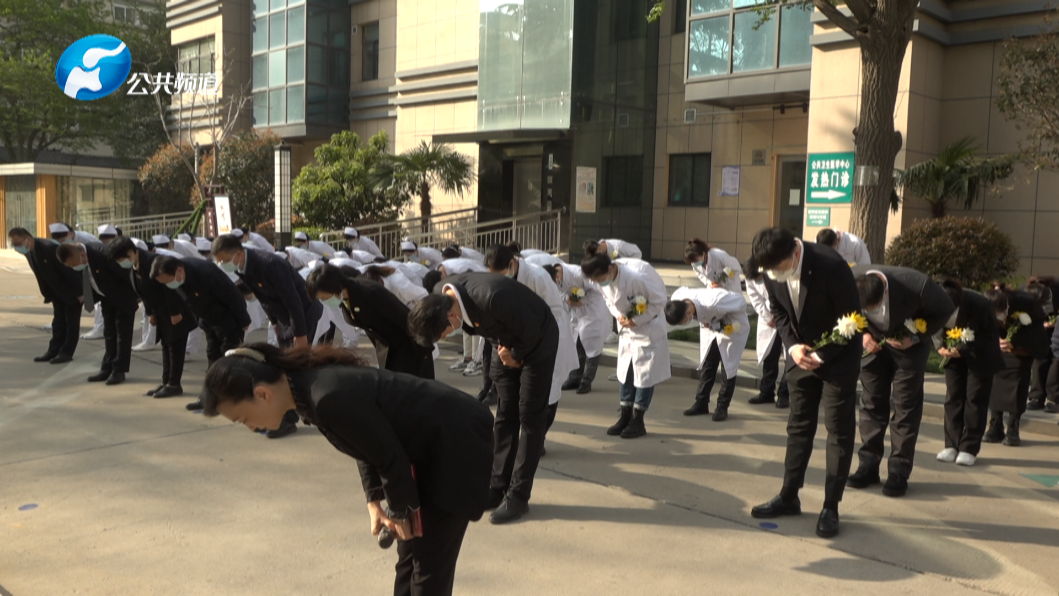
{"points": [[810, 288], [173, 325], [521, 325], [904, 308], [968, 373], [60, 286], [111, 287]]}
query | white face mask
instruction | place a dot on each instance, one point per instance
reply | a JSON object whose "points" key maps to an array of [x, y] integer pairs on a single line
{"points": [[780, 276]]}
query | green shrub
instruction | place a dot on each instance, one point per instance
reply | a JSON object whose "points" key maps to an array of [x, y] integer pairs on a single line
{"points": [[971, 250], [311, 232]]}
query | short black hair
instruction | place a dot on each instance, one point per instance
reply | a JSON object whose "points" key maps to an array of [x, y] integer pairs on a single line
{"points": [[165, 266], [1041, 293], [676, 310], [226, 243], [429, 318], [871, 288], [590, 247], [120, 248], [120, 233], [773, 246], [243, 288], [514, 247], [349, 271], [498, 257], [20, 232], [553, 270], [595, 265], [998, 298], [827, 237], [65, 251], [752, 269], [325, 278], [431, 279], [954, 289], [452, 252]]}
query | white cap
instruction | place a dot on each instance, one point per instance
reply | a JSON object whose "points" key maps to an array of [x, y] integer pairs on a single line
{"points": [[58, 228], [160, 239], [408, 245], [301, 236], [140, 244], [107, 230], [203, 245], [351, 232], [185, 237], [237, 232]]}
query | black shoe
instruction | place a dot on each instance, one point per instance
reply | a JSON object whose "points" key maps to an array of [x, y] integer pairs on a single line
{"points": [[783, 403], [721, 414], [169, 391], [496, 497], [45, 357], [102, 375], [1051, 407], [1035, 404], [584, 387], [761, 398], [699, 408], [284, 429], [895, 486], [623, 421], [116, 378], [635, 429], [995, 429], [827, 525], [513, 508], [1012, 438], [777, 507], [571, 384], [193, 406], [863, 477], [61, 359], [155, 390]]}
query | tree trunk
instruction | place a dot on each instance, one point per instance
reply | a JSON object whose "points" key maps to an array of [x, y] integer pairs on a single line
{"points": [[882, 52], [937, 209], [425, 208]]}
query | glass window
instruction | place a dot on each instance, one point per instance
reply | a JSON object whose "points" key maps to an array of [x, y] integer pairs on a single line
{"points": [[296, 64], [260, 80], [317, 31], [260, 109], [277, 35], [260, 35], [277, 4], [316, 100], [295, 104], [196, 56], [260, 7], [338, 104], [708, 6], [206, 63], [277, 68], [370, 53], [628, 20], [338, 68], [689, 180], [795, 30], [680, 16], [338, 30], [296, 25], [317, 65], [624, 181], [753, 49], [124, 14], [277, 106], [295, 2], [746, 3], [708, 47]]}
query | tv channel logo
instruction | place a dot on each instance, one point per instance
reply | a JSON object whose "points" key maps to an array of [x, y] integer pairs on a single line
{"points": [[93, 67]]}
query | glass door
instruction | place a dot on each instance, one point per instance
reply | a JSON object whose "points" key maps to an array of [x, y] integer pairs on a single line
{"points": [[20, 198], [790, 195], [527, 186]]}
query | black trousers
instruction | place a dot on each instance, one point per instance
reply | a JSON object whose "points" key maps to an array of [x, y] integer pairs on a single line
{"points": [[487, 365], [900, 373], [117, 337], [217, 343], [427, 566], [770, 369], [174, 349], [521, 417], [966, 407], [1039, 381], [708, 376], [839, 400], [65, 327]]}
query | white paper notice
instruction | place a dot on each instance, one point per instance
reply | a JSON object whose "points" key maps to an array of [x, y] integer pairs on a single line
{"points": [[585, 199], [796, 197], [729, 181]]}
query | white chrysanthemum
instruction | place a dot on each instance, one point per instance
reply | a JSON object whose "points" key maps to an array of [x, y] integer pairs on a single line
{"points": [[967, 336], [847, 327], [1024, 319], [639, 300], [736, 326], [578, 292], [729, 272], [911, 326]]}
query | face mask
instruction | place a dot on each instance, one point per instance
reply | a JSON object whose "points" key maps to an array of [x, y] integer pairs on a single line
{"points": [[604, 284], [697, 263], [174, 284], [332, 302], [228, 267], [780, 276], [1002, 317], [509, 274], [126, 264], [22, 250], [79, 268], [68, 241], [877, 311]]}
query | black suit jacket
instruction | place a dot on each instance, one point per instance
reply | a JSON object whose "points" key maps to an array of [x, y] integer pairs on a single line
{"points": [[982, 356], [156, 297], [828, 293], [112, 280], [384, 318], [212, 296], [1033, 338], [391, 421], [912, 295], [506, 312], [57, 282], [279, 289]]}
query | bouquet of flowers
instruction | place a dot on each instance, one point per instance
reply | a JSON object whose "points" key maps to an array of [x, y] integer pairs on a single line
{"points": [[725, 326], [1052, 320], [613, 254], [1018, 321], [725, 274], [847, 327], [637, 306], [910, 328], [957, 338], [576, 295]]}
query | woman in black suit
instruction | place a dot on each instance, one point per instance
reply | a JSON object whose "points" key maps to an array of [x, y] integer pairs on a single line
{"points": [[424, 447]]}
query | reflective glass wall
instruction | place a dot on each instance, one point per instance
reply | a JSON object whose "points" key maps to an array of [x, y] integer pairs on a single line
{"points": [[729, 37], [92, 199]]}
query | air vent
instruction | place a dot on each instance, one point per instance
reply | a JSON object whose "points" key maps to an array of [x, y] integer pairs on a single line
{"points": [[689, 116], [354, 30], [623, 120]]}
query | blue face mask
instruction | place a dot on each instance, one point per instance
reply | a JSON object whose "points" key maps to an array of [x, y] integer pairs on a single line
{"points": [[174, 284], [228, 267], [22, 250], [604, 284], [697, 263], [126, 264], [333, 302], [79, 268]]}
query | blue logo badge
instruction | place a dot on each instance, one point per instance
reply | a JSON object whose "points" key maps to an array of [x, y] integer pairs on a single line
{"points": [[93, 67]]}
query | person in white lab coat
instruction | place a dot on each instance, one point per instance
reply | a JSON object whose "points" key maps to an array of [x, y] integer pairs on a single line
{"points": [[362, 256], [64, 234], [769, 346], [723, 331], [424, 255], [850, 247], [713, 266], [301, 240], [354, 241], [636, 296], [396, 282], [462, 252], [257, 240], [613, 248]]}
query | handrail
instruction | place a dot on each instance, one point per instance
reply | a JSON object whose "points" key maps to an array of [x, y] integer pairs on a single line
{"points": [[534, 230], [370, 229], [141, 225]]}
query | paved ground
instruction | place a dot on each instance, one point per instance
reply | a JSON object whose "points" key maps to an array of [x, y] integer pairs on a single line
{"points": [[136, 496]]}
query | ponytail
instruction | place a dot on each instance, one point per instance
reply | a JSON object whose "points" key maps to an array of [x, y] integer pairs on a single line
{"points": [[377, 274], [695, 251]]}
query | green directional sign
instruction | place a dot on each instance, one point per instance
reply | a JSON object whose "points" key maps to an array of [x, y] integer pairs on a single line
{"points": [[829, 178], [818, 216]]}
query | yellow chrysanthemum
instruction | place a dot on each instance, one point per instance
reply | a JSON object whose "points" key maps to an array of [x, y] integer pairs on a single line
{"points": [[729, 329], [955, 333], [862, 321], [921, 325], [641, 309]]}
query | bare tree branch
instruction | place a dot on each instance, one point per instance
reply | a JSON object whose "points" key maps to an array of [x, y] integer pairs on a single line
{"points": [[835, 16], [862, 10]]}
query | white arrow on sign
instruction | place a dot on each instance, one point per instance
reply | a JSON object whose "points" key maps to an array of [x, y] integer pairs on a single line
{"points": [[829, 195]]}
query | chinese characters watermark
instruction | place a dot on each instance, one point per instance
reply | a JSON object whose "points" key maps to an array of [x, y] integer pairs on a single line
{"points": [[142, 83]]}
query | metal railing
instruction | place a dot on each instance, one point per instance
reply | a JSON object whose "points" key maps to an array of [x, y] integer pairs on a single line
{"points": [[535, 230], [388, 235], [142, 227]]}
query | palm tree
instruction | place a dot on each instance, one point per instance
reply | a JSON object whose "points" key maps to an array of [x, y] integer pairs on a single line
{"points": [[955, 174], [425, 166]]}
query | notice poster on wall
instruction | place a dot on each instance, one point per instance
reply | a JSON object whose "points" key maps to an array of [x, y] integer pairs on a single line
{"points": [[729, 181], [224, 214], [585, 201]]}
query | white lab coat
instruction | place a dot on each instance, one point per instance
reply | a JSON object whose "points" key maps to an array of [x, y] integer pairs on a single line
{"points": [[350, 334], [413, 271], [400, 286], [299, 257], [164, 252], [532, 252], [460, 265], [365, 244], [260, 242], [759, 299], [428, 257], [591, 320], [470, 253], [718, 304], [362, 256], [258, 318], [853, 249], [620, 249], [646, 346], [716, 261], [538, 280], [86, 238], [321, 248], [188, 249]]}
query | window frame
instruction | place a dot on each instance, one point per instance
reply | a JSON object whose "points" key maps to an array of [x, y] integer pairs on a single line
{"points": [[185, 63], [692, 202], [622, 163], [731, 12], [366, 52]]}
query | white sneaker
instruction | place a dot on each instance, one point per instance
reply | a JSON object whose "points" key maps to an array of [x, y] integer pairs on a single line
{"points": [[92, 335], [965, 459], [141, 347], [459, 365], [947, 455], [613, 377], [473, 369], [611, 339]]}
